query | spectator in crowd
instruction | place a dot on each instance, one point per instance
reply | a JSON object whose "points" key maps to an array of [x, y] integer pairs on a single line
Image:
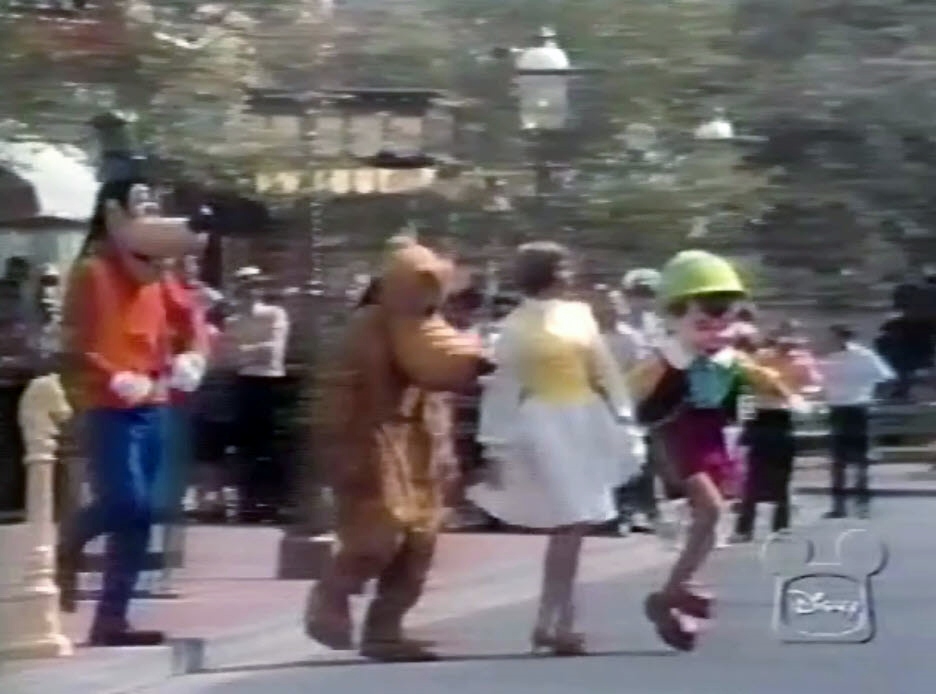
{"points": [[214, 414], [850, 376], [464, 312], [15, 373], [907, 339], [907, 344], [628, 345], [770, 435], [259, 330], [15, 302], [640, 304], [176, 470], [745, 337], [639, 330], [45, 332]]}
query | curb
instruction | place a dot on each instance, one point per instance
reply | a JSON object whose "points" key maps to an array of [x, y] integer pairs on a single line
{"points": [[893, 492], [105, 672]]}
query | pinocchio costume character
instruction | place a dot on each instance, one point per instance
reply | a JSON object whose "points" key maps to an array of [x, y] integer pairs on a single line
{"points": [[130, 338], [687, 395], [389, 429]]}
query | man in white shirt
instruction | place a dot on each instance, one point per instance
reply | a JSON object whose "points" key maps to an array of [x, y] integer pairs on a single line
{"points": [[638, 332], [259, 331], [851, 374]]}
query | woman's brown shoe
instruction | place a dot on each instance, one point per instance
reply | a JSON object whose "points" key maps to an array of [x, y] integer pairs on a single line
{"points": [[563, 645]]}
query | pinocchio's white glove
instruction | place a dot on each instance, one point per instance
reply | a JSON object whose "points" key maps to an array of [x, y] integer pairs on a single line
{"points": [[800, 405], [675, 353], [188, 370], [130, 387]]}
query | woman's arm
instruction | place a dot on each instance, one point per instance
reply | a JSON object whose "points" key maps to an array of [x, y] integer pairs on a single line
{"points": [[503, 391], [607, 376]]}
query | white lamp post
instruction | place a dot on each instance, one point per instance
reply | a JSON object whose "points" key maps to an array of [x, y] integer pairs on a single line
{"points": [[542, 74], [718, 129], [31, 625]]}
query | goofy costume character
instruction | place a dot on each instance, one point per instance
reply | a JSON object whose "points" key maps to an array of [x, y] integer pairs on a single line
{"points": [[131, 338], [687, 395], [390, 429]]}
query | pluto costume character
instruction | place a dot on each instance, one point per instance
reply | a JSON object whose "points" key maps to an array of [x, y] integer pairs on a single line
{"points": [[687, 394], [130, 338], [389, 428]]}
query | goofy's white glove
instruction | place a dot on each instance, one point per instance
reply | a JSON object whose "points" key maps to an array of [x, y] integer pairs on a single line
{"points": [[188, 370], [130, 387]]}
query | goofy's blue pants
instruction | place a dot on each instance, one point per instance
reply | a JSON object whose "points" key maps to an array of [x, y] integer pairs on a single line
{"points": [[125, 453]]}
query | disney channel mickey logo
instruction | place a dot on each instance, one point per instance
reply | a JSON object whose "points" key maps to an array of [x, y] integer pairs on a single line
{"points": [[824, 601]]}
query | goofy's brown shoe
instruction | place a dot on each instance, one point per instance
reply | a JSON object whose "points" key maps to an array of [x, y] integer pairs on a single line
{"points": [[328, 620]]}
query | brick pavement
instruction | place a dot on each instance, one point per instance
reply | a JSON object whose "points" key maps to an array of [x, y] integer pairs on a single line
{"points": [[229, 577], [231, 600]]}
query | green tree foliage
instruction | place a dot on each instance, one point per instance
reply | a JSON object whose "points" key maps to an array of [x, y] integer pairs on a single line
{"points": [[844, 91], [183, 69]]}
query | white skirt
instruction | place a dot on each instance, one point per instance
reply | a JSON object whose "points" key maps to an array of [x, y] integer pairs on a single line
{"points": [[561, 466]]}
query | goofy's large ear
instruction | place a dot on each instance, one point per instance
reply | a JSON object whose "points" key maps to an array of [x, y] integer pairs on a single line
{"points": [[115, 217]]}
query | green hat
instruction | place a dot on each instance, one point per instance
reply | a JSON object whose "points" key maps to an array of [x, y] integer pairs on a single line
{"points": [[691, 273]]}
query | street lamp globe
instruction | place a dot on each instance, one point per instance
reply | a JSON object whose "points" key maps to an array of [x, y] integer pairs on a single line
{"points": [[543, 84], [640, 137], [719, 128]]}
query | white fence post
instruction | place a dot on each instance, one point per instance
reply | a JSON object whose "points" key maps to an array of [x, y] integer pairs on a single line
{"points": [[31, 615]]}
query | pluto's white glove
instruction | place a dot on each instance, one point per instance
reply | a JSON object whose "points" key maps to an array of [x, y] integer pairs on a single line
{"points": [[130, 387], [188, 370], [675, 353]]}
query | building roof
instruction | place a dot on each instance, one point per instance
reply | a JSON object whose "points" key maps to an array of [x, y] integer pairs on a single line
{"points": [[41, 181]]}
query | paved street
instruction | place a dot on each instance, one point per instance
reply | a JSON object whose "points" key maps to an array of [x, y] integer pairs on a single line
{"points": [[485, 652]]}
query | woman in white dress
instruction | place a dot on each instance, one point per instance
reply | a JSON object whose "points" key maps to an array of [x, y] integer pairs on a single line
{"points": [[555, 424]]}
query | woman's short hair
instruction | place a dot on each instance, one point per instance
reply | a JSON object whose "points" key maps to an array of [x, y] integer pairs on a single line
{"points": [[540, 266]]}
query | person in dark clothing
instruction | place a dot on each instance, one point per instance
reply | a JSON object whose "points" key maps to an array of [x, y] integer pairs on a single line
{"points": [[770, 434], [260, 330], [907, 344]]}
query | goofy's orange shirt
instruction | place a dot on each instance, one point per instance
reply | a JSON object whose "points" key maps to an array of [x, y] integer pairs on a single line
{"points": [[113, 324]]}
